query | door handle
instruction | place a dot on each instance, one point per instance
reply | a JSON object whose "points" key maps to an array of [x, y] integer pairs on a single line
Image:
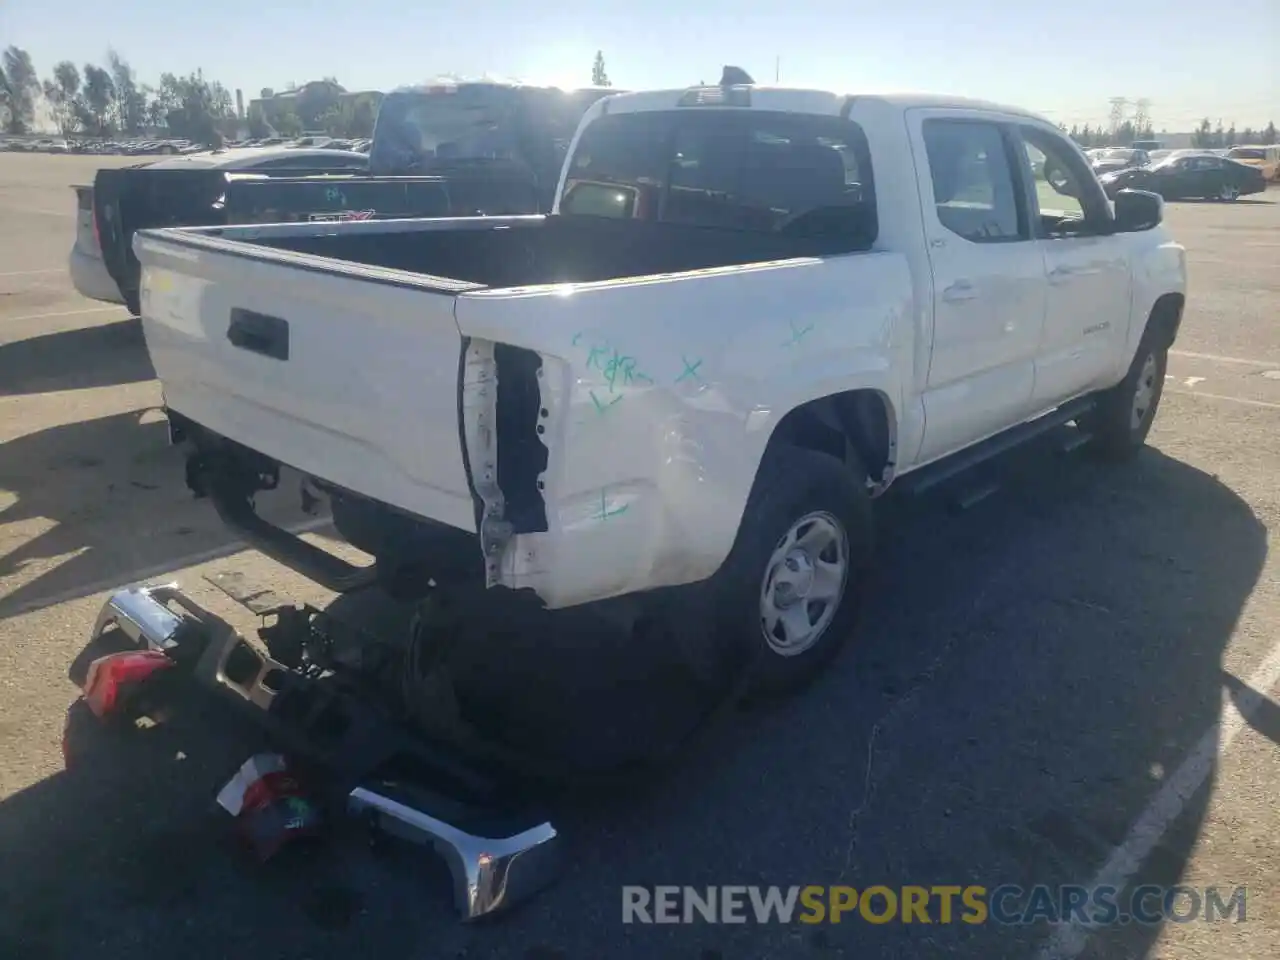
{"points": [[960, 290]]}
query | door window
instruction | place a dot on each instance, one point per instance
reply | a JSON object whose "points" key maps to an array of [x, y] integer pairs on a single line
{"points": [[973, 181], [1067, 197]]}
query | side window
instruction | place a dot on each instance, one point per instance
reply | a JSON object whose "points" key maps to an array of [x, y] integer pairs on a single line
{"points": [[1067, 198], [973, 182]]}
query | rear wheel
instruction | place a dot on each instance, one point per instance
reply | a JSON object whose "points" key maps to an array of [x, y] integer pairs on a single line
{"points": [[1228, 192], [789, 592]]}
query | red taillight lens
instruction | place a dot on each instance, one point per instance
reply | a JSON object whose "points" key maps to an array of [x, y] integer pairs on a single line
{"points": [[110, 678]]}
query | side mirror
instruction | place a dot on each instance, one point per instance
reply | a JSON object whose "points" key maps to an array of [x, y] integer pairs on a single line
{"points": [[1138, 210]]}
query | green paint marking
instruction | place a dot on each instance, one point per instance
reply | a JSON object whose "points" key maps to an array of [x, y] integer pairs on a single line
{"points": [[602, 407], [690, 369], [605, 513], [797, 335]]}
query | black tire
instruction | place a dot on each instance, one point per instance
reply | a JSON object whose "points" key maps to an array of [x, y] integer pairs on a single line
{"points": [[793, 483], [1118, 432]]}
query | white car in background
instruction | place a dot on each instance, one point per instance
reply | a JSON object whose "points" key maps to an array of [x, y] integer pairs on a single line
{"points": [[89, 273]]}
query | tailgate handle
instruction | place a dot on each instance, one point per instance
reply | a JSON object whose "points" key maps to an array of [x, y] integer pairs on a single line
{"points": [[259, 333]]}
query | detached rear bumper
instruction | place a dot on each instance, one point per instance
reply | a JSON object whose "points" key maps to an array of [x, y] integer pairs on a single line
{"points": [[496, 859]]}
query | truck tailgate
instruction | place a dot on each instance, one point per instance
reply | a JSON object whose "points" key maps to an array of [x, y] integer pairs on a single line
{"points": [[345, 372]]}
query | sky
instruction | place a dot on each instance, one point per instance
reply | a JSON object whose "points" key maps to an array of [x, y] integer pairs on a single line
{"points": [[1065, 59]]}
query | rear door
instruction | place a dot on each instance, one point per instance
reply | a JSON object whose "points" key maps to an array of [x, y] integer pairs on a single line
{"points": [[988, 277]]}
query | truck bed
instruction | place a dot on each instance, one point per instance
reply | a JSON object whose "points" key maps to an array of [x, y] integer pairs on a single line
{"points": [[565, 249]]}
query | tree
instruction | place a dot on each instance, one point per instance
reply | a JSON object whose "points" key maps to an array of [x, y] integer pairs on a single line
{"points": [[1203, 136], [21, 87], [1229, 140], [193, 107], [363, 118], [1269, 134], [1247, 135], [61, 92], [257, 123], [598, 76], [130, 105], [288, 124], [93, 108]]}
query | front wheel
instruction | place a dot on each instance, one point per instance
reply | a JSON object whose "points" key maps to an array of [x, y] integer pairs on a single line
{"points": [[1124, 414], [789, 592]]}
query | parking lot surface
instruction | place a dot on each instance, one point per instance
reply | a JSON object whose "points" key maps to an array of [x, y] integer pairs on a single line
{"points": [[1074, 682]]}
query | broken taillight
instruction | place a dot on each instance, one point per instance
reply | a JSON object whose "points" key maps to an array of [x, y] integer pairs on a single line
{"points": [[111, 679]]}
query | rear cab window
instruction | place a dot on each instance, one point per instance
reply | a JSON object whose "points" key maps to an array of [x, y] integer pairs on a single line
{"points": [[434, 129], [748, 170]]}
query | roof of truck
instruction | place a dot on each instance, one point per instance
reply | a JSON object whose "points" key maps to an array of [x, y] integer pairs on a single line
{"points": [[803, 100], [248, 157]]}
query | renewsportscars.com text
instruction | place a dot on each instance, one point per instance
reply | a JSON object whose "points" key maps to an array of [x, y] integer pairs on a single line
{"points": [[939, 904]]}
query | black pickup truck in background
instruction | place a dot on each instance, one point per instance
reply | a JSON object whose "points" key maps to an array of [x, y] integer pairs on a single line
{"points": [[450, 149]]}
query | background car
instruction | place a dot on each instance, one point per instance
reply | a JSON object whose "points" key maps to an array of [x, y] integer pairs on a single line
{"points": [[1118, 158], [1265, 157], [89, 274], [1189, 176]]}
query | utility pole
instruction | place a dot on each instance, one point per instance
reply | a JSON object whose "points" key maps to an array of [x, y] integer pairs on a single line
{"points": [[777, 69], [1118, 105]]}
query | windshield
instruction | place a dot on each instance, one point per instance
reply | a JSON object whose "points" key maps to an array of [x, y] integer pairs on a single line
{"points": [[1246, 153], [1125, 155]]}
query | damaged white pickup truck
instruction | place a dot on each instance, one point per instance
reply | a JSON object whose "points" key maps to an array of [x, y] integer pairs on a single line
{"points": [[751, 311]]}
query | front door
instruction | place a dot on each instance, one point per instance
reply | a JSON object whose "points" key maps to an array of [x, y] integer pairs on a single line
{"points": [[1086, 322], [988, 278]]}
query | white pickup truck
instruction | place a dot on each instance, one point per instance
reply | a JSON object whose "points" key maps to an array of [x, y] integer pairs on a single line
{"points": [[751, 311]]}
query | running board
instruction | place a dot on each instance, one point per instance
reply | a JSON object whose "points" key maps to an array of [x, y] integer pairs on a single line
{"points": [[934, 475]]}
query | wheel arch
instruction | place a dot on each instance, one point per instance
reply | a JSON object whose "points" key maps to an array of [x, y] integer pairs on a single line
{"points": [[854, 426], [1165, 317]]}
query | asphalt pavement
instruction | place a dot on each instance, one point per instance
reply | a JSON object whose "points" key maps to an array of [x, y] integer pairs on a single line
{"points": [[1074, 682]]}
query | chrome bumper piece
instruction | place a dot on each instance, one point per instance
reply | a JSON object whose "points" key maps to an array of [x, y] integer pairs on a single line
{"points": [[488, 873]]}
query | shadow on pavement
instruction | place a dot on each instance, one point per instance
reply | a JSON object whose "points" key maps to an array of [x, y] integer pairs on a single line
{"points": [[115, 492], [1028, 674], [104, 355], [1260, 711]]}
